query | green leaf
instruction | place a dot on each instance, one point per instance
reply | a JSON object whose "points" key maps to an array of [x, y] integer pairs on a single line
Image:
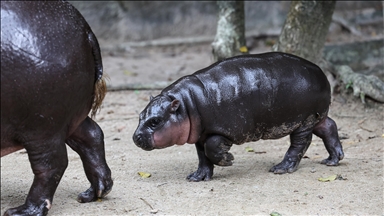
{"points": [[275, 214], [349, 84]]}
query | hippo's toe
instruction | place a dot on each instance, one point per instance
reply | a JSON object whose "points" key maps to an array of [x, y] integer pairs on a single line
{"points": [[202, 173], [330, 161], [30, 209], [333, 160], [284, 167], [93, 193]]}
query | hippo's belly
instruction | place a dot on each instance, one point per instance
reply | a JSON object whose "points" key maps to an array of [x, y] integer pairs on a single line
{"points": [[240, 130]]}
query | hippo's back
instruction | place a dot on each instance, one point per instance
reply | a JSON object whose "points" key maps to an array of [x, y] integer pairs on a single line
{"points": [[42, 33], [263, 90], [47, 69], [271, 74]]}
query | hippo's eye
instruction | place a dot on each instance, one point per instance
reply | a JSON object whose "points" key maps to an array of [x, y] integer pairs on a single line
{"points": [[154, 122]]}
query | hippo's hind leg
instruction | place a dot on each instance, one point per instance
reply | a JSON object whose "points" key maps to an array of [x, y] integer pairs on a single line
{"points": [[48, 160], [213, 151], [327, 131], [88, 142], [300, 141], [216, 149]]}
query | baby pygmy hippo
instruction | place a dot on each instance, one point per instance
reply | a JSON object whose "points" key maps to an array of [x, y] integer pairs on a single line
{"points": [[243, 99]]}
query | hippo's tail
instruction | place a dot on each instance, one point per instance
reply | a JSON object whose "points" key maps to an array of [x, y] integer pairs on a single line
{"points": [[100, 91], [100, 88]]}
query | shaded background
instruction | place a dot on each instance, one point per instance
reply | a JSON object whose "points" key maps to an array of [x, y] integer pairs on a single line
{"points": [[148, 20], [127, 31]]}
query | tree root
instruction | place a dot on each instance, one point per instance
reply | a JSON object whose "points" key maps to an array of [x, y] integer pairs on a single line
{"points": [[345, 24], [363, 85]]}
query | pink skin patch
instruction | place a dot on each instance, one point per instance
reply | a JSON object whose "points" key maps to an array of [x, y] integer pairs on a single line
{"points": [[9, 150], [49, 205], [173, 132]]}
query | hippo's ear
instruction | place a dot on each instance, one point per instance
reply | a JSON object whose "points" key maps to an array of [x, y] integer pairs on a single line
{"points": [[150, 97], [175, 105]]}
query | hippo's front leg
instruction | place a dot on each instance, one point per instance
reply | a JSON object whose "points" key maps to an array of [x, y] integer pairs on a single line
{"points": [[205, 168], [215, 151], [88, 142]]}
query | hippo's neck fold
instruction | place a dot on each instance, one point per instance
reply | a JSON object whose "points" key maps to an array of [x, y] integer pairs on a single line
{"points": [[186, 90]]}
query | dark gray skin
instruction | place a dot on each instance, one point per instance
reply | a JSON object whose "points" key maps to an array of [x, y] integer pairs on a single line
{"points": [[50, 64], [238, 100]]}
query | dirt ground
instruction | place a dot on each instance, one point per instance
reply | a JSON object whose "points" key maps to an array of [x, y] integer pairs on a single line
{"points": [[246, 188]]}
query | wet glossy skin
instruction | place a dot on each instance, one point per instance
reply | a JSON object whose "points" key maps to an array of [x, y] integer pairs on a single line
{"points": [[242, 99], [50, 61]]}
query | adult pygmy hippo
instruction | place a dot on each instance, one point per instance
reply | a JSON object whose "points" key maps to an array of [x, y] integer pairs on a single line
{"points": [[238, 100], [51, 77]]}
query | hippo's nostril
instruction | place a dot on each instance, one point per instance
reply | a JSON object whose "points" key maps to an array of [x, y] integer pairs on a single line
{"points": [[137, 139], [142, 142]]}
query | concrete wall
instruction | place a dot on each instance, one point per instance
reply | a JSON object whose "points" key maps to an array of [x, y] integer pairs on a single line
{"points": [[146, 20]]}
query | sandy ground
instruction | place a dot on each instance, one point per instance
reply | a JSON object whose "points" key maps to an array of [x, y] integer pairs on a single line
{"points": [[246, 188]]}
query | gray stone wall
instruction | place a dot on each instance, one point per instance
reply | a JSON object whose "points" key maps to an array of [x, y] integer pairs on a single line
{"points": [[147, 20], [131, 21]]}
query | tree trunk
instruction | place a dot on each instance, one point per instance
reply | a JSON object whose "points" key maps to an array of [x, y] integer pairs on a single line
{"points": [[230, 36], [304, 33], [305, 29]]}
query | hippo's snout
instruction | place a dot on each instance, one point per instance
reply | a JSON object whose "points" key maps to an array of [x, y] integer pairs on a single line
{"points": [[142, 142]]}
